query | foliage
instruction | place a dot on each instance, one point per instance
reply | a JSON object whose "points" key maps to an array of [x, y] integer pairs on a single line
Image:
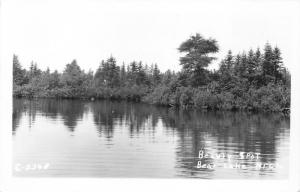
{"points": [[197, 58], [253, 80]]}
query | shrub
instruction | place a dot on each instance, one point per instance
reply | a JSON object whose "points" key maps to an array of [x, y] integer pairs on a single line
{"points": [[226, 101], [205, 99]]}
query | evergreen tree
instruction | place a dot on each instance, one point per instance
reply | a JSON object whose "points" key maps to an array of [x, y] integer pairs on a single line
{"points": [[197, 58], [226, 71], [114, 71], [156, 75], [277, 64], [19, 77], [47, 70], [241, 65], [99, 75], [141, 76], [226, 65], [34, 71], [54, 81], [251, 64], [236, 65], [258, 79], [108, 73], [267, 64], [123, 75], [132, 72], [72, 75], [258, 60]]}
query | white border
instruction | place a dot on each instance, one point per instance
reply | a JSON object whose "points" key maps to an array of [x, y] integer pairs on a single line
{"points": [[8, 183]]}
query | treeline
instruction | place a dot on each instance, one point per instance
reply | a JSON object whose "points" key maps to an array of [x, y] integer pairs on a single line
{"points": [[110, 81], [253, 80]]}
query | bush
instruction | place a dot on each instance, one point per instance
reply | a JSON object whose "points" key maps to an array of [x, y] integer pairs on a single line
{"points": [[269, 98], [205, 99], [226, 101], [185, 96], [160, 95]]}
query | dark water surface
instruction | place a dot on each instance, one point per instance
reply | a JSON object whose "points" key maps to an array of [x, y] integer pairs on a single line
{"points": [[73, 138]]}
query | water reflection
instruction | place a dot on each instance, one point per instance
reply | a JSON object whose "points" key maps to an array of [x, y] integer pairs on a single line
{"points": [[184, 132], [137, 117], [71, 111], [225, 132]]}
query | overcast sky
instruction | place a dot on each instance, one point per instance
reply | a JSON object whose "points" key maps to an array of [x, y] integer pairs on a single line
{"points": [[53, 33]]}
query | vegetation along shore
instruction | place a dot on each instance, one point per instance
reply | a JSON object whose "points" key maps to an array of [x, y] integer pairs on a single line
{"points": [[255, 80]]}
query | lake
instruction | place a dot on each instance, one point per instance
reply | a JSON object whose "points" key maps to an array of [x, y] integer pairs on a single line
{"points": [[78, 138]]}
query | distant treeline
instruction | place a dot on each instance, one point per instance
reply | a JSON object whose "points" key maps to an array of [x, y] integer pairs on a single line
{"points": [[255, 80]]}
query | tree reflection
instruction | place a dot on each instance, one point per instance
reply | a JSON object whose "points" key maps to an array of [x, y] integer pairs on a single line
{"points": [[225, 132], [222, 131], [108, 115], [195, 130], [18, 109], [71, 111]]}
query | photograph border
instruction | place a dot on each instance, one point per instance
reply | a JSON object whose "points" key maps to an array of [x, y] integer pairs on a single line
{"points": [[9, 183]]}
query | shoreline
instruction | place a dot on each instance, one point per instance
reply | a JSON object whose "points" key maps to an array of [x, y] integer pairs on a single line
{"points": [[284, 111]]}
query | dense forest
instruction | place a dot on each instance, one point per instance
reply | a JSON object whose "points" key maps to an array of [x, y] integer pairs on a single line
{"points": [[255, 80]]}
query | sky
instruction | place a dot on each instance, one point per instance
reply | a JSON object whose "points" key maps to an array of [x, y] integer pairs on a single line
{"points": [[53, 33]]}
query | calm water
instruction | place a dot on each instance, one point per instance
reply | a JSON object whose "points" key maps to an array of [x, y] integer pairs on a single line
{"points": [[71, 138]]}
